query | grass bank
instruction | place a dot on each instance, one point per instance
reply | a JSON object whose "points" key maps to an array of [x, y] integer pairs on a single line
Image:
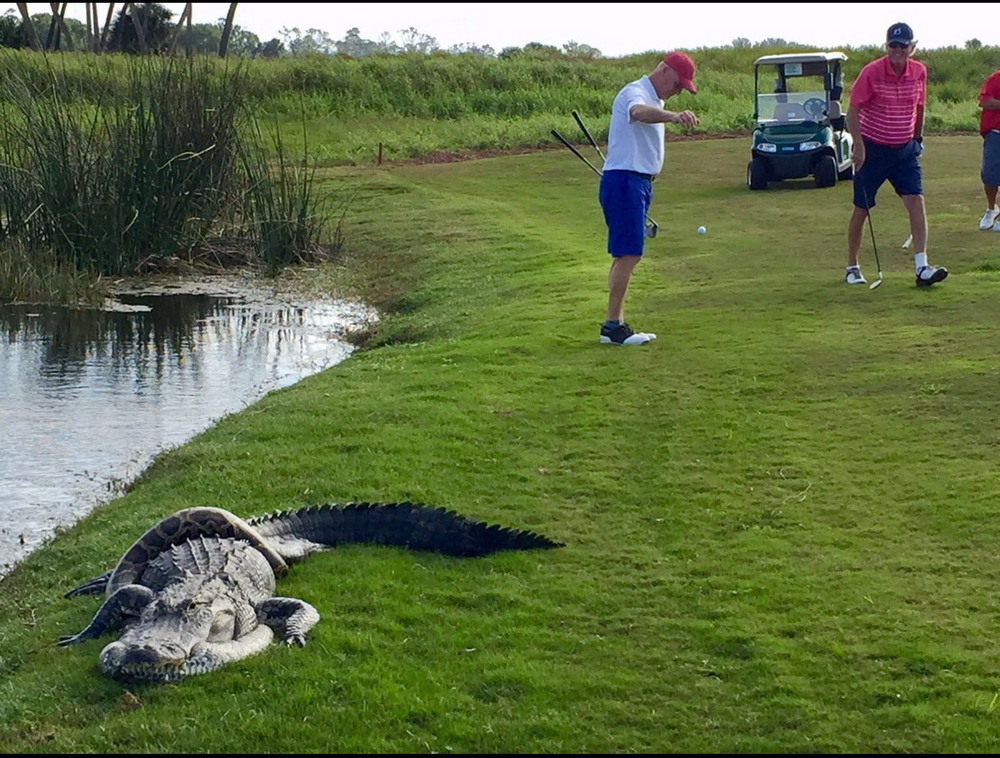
{"points": [[779, 517]]}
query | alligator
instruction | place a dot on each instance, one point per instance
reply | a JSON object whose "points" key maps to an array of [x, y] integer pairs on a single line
{"points": [[196, 591]]}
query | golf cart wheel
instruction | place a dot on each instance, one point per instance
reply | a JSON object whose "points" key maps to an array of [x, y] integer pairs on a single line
{"points": [[757, 174], [826, 171]]}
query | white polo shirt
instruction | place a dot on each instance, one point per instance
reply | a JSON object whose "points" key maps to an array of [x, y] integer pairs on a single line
{"points": [[633, 145]]}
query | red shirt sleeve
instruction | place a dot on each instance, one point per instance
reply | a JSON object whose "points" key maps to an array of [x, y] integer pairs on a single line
{"points": [[991, 88]]}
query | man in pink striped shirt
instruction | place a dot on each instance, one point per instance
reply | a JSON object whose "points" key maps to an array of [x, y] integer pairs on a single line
{"points": [[886, 119]]}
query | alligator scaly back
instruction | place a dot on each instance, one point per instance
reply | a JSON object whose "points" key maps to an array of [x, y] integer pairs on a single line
{"points": [[295, 534], [203, 521]]}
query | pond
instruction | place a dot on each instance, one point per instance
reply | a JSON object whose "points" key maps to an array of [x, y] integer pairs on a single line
{"points": [[89, 397]]}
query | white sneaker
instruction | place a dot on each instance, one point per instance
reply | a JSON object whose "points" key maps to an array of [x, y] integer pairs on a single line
{"points": [[854, 276], [928, 275], [623, 334], [988, 219], [996, 226]]}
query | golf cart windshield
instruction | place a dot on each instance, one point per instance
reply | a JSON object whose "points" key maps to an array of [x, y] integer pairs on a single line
{"points": [[798, 88], [791, 107]]}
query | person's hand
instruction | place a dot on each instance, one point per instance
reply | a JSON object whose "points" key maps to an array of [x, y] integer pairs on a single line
{"points": [[920, 147], [858, 156], [687, 118]]}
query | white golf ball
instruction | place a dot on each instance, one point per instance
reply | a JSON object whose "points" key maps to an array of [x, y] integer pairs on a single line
{"points": [[702, 230]]}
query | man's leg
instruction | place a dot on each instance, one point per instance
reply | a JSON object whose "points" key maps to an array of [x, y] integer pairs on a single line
{"points": [[926, 273], [918, 221], [990, 176], [618, 279], [867, 181], [855, 231]]}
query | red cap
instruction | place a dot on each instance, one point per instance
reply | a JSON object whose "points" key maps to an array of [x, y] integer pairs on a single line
{"points": [[682, 64]]}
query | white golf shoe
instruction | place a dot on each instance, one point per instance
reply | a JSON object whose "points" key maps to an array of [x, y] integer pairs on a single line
{"points": [[989, 218], [854, 276], [623, 334]]}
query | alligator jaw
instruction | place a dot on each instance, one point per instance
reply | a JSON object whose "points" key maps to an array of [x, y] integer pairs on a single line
{"points": [[131, 664]]}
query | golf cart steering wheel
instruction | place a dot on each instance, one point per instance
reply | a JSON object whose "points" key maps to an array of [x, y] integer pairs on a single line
{"points": [[815, 107]]}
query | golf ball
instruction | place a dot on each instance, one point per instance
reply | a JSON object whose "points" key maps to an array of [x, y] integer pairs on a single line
{"points": [[702, 230]]}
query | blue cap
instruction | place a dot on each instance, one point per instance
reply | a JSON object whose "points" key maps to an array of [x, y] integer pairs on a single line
{"points": [[899, 32]]}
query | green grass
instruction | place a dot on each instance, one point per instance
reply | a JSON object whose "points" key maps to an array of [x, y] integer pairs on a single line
{"points": [[778, 517]]}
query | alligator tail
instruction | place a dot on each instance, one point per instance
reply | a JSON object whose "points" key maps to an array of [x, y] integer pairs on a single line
{"points": [[410, 525]]}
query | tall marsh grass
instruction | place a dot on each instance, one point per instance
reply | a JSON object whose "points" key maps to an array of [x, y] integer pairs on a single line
{"points": [[286, 220], [141, 175]]}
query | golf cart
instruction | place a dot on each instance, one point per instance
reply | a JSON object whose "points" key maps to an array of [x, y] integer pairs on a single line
{"points": [[799, 128]]}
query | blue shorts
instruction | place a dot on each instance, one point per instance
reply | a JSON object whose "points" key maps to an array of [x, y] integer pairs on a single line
{"points": [[990, 173], [625, 197], [900, 165]]}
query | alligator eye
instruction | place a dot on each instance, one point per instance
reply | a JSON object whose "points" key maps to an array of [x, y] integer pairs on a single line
{"points": [[223, 627]]}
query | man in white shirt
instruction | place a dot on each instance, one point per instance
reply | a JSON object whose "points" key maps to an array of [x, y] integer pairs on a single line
{"points": [[635, 157]]}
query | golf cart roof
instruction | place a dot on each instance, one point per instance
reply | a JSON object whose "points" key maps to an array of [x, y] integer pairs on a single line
{"points": [[800, 58]]}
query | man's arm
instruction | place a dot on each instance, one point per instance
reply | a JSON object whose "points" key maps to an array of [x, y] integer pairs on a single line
{"points": [[918, 127], [650, 114], [858, 145]]}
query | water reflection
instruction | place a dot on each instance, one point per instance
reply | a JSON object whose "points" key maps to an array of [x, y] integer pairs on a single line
{"points": [[88, 397]]}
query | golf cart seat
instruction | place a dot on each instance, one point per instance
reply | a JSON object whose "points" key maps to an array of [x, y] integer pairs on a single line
{"points": [[835, 114], [788, 112]]}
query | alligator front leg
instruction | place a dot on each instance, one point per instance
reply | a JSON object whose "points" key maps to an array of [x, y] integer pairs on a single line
{"points": [[128, 601], [289, 617]]}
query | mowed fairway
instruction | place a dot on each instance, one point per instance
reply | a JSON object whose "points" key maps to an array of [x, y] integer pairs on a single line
{"points": [[780, 517]]}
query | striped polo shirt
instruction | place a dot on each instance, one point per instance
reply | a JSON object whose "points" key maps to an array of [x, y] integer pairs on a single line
{"points": [[887, 103]]}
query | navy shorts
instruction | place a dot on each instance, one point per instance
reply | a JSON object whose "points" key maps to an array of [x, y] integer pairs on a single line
{"points": [[990, 173], [625, 197], [899, 165]]}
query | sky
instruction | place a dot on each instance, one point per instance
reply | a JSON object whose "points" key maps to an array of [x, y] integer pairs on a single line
{"points": [[615, 30]]}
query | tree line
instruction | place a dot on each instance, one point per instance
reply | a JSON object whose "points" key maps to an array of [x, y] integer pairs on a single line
{"points": [[160, 35]]}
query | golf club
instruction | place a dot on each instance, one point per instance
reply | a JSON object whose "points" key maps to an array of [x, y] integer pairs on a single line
{"points": [[651, 226], [868, 212], [908, 241], [586, 131], [576, 152]]}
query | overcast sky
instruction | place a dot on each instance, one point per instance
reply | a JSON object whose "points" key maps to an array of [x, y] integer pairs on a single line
{"points": [[615, 30]]}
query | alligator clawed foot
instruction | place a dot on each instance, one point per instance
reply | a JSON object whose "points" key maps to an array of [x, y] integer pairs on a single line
{"points": [[296, 639]]}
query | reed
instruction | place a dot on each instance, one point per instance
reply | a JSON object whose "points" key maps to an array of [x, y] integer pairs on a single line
{"points": [[142, 176], [286, 221]]}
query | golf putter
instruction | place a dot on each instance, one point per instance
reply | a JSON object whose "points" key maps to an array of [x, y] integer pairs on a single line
{"points": [[868, 212]]}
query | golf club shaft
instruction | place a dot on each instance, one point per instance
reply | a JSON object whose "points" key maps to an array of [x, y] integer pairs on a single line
{"points": [[576, 152], [593, 168], [589, 136], [868, 213]]}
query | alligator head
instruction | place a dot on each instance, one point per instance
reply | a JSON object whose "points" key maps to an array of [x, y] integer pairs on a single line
{"points": [[186, 630]]}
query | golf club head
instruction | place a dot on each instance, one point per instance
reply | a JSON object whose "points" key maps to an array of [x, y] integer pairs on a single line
{"points": [[651, 229], [877, 282]]}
